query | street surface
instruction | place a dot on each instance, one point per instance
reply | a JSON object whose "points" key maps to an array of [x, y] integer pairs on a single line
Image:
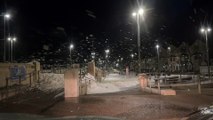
{"points": [[125, 100]]}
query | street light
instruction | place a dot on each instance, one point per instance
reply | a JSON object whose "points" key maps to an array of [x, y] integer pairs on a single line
{"points": [[93, 55], [157, 47], [6, 17], [169, 55], [12, 41], [141, 11], [132, 55], [107, 53], [206, 31], [71, 47], [138, 16]]}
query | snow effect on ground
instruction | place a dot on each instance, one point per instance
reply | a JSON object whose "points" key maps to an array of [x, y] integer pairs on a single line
{"points": [[113, 83], [50, 82]]}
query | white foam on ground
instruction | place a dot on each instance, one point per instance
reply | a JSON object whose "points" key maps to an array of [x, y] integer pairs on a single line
{"points": [[113, 83], [50, 82]]}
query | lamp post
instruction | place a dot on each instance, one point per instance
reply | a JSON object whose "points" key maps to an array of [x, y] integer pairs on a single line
{"points": [[71, 47], [205, 31], [107, 56], [12, 41], [6, 17], [157, 47], [138, 16], [132, 65], [169, 53]]}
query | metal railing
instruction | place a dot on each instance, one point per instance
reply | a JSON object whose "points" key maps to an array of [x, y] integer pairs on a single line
{"points": [[195, 82], [16, 86]]}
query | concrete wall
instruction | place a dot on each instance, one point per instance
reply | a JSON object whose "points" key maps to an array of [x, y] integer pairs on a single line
{"points": [[31, 72]]}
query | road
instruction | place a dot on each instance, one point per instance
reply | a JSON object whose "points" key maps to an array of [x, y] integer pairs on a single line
{"points": [[128, 104]]}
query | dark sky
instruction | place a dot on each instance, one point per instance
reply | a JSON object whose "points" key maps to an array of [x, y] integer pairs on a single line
{"points": [[36, 22]]}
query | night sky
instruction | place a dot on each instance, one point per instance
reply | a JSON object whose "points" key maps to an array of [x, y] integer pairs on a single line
{"points": [[38, 22]]}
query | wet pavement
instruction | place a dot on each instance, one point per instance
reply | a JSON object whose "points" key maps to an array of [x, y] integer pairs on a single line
{"points": [[132, 104]]}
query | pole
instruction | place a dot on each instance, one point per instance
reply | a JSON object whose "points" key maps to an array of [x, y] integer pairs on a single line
{"points": [[13, 50], [11, 55], [207, 52], [158, 60], [139, 45], [199, 84], [9, 48], [4, 57], [70, 56]]}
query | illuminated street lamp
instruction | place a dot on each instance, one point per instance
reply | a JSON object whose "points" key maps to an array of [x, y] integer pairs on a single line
{"points": [[107, 56], [157, 47], [12, 41], [138, 15], [169, 56], [93, 55], [132, 55], [71, 47], [6, 17], [107, 51], [206, 31]]}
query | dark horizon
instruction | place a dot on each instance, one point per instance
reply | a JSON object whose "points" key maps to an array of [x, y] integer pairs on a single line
{"points": [[57, 22]]}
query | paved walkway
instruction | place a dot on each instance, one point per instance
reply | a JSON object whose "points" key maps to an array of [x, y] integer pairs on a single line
{"points": [[128, 104]]}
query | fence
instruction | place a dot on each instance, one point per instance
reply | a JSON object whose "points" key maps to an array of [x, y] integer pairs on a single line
{"points": [[191, 83], [16, 76]]}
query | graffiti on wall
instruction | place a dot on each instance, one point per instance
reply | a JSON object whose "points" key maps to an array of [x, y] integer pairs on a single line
{"points": [[17, 71]]}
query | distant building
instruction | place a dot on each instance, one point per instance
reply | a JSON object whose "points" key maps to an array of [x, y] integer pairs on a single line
{"points": [[184, 58]]}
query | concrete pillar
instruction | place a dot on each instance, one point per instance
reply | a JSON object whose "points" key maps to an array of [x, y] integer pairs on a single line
{"points": [[143, 79], [99, 75], [71, 83], [127, 71], [37, 70], [77, 66], [91, 68]]}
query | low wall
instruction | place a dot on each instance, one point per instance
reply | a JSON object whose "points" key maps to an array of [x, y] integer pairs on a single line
{"points": [[160, 92], [143, 79], [18, 73]]}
